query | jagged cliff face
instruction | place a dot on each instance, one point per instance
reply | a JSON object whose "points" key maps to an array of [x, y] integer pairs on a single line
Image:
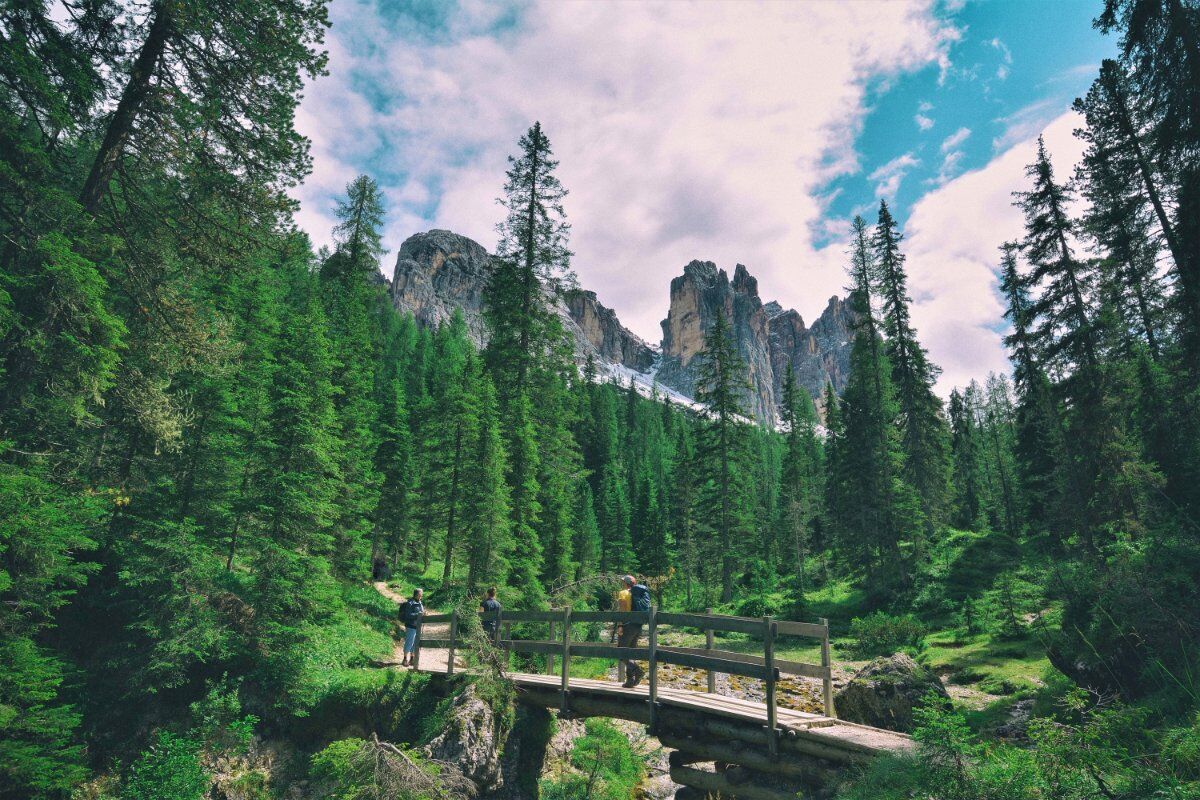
{"points": [[439, 272], [818, 355], [697, 297], [768, 337], [603, 331]]}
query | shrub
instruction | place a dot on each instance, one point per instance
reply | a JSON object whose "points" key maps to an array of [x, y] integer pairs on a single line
{"points": [[169, 770], [881, 634], [604, 765]]}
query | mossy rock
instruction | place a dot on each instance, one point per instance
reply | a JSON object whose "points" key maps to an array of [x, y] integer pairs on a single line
{"points": [[884, 693]]}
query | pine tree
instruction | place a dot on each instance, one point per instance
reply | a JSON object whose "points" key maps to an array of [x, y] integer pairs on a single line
{"points": [[1040, 437], [532, 258], [486, 521], [1160, 48], [802, 482], [875, 510], [923, 430], [724, 503], [969, 500], [1060, 316]]}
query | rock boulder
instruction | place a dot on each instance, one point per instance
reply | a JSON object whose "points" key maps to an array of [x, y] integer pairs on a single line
{"points": [[884, 693], [471, 742]]}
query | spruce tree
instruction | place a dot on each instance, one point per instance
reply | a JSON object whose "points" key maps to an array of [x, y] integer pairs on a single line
{"points": [[486, 505], [923, 430], [721, 388], [969, 499], [802, 485], [874, 509]]}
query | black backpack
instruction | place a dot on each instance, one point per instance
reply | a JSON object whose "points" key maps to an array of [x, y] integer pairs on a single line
{"points": [[410, 613], [639, 598]]}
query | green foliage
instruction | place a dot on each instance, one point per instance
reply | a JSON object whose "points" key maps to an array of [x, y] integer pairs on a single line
{"points": [[169, 770], [881, 634], [1108, 754], [603, 766]]}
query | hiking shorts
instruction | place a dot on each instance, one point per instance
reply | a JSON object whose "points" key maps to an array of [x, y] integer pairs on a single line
{"points": [[410, 640]]}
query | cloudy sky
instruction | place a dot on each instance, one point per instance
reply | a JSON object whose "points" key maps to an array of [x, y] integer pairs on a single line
{"points": [[733, 132]]}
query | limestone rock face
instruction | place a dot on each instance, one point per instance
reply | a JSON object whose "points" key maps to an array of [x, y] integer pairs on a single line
{"points": [[768, 337], [438, 272], [604, 332], [472, 742], [884, 693], [818, 355], [697, 297]]}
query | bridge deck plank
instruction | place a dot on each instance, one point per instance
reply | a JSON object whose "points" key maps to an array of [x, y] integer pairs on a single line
{"points": [[814, 727]]}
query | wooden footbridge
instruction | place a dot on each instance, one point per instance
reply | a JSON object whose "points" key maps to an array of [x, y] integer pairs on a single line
{"points": [[761, 751]]}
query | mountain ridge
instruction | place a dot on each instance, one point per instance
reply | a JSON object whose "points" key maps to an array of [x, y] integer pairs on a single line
{"points": [[439, 271]]}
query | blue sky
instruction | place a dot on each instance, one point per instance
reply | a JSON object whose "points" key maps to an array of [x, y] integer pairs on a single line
{"points": [[735, 132], [1017, 66]]}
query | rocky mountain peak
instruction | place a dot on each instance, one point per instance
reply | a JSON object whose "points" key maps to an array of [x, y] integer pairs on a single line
{"points": [[439, 272]]}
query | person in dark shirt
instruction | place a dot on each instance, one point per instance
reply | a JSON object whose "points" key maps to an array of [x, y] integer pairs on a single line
{"points": [[411, 611], [490, 604]]}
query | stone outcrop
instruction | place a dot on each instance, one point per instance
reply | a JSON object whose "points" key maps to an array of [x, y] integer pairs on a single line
{"points": [[471, 741], [697, 297], [884, 693], [439, 272], [768, 337], [603, 331], [817, 355]]}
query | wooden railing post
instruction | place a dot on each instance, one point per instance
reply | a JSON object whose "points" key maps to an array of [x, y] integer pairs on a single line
{"points": [[566, 660], [708, 645], [769, 664], [827, 680], [417, 645], [653, 667], [453, 634], [549, 656]]}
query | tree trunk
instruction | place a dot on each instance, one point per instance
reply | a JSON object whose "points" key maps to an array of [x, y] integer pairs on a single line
{"points": [[132, 100]]}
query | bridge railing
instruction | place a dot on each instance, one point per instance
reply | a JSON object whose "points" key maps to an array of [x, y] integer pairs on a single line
{"points": [[768, 668]]}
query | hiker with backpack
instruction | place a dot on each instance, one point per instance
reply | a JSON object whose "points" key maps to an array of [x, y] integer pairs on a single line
{"points": [[639, 600], [411, 612], [491, 606]]}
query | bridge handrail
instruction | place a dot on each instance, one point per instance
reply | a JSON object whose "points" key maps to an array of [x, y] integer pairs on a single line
{"points": [[766, 668]]}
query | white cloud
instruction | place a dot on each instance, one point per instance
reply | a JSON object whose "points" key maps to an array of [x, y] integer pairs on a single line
{"points": [[953, 236], [889, 175], [1026, 122], [952, 141], [683, 130], [923, 122]]}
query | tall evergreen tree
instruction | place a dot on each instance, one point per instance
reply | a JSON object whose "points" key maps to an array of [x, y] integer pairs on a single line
{"points": [[721, 388], [923, 431], [875, 510], [802, 484]]}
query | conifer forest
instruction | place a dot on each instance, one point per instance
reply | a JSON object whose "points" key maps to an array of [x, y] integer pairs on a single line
{"points": [[225, 450]]}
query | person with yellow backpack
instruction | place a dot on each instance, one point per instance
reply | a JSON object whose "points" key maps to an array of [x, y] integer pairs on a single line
{"points": [[634, 597]]}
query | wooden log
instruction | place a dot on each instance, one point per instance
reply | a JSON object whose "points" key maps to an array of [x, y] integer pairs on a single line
{"points": [[588, 705], [716, 622], [695, 750], [719, 783], [565, 688], [653, 670], [769, 663], [696, 725]]}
